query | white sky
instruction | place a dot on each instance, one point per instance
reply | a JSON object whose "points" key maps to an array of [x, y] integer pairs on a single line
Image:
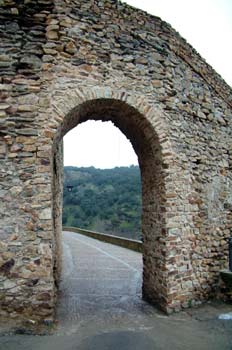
{"points": [[97, 144], [207, 26]]}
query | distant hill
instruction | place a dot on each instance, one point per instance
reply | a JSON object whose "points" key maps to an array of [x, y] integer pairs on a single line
{"points": [[107, 201]]}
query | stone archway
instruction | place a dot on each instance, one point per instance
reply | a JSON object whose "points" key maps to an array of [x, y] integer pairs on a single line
{"points": [[164, 240], [60, 66]]}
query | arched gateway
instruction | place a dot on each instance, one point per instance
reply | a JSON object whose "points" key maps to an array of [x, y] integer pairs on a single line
{"points": [[104, 60], [146, 128]]}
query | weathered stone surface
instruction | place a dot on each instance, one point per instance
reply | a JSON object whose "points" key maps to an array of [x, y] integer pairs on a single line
{"points": [[7, 266], [70, 48], [64, 62], [45, 214], [52, 34]]}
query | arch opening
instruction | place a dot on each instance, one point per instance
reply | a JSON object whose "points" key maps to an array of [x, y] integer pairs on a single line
{"points": [[147, 146], [102, 187]]}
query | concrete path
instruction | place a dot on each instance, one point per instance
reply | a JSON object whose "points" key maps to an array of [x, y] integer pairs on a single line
{"points": [[100, 308]]}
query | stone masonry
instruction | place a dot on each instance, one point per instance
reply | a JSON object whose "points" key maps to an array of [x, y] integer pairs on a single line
{"points": [[63, 62]]}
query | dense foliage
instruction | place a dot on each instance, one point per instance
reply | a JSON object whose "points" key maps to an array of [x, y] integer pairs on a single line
{"points": [[106, 200]]}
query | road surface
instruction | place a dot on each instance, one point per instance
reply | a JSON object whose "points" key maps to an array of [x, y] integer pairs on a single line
{"points": [[100, 308]]}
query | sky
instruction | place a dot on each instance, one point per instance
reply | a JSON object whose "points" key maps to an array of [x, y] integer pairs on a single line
{"points": [[207, 26]]}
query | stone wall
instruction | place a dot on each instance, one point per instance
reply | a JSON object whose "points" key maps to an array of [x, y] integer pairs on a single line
{"points": [[127, 243], [64, 62]]}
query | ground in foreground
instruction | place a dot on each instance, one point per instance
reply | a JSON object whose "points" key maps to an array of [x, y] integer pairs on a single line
{"points": [[100, 308]]}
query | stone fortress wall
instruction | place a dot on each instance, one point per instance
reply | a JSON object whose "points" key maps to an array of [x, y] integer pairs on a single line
{"points": [[63, 62]]}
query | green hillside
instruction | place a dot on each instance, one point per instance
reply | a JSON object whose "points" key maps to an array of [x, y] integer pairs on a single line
{"points": [[107, 201]]}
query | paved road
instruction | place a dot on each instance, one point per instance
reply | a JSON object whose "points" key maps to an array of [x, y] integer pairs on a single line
{"points": [[99, 281], [100, 308]]}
